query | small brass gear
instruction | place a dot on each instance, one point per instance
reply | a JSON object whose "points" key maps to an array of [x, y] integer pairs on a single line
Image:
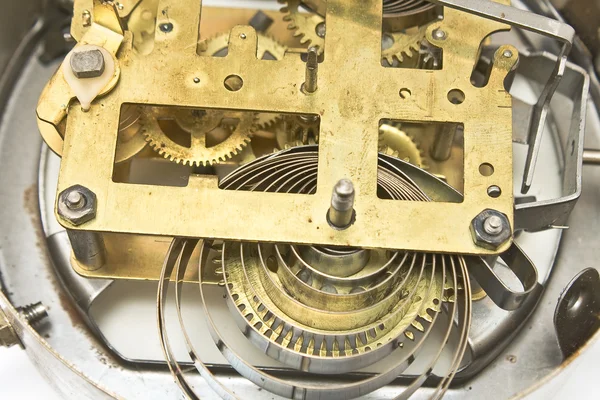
{"points": [[396, 143], [298, 130], [197, 137], [310, 28], [267, 48]]}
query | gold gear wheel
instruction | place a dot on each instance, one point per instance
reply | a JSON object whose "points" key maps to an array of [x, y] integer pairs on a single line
{"points": [[197, 137], [396, 143], [310, 27], [405, 45], [298, 131], [267, 48], [305, 25]]}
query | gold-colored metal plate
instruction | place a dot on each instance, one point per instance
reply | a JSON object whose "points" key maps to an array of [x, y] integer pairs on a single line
{"points": [[355, 93]]}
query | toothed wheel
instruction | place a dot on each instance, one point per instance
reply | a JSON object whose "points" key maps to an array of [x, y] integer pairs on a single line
{"points": [[197, 137], [308, 27], [298, 131], [396, 143], [399, 48]]}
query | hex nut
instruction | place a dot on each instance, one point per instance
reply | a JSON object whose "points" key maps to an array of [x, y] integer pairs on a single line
{"points": [[87, 63], [485, 240], [80, 215]]}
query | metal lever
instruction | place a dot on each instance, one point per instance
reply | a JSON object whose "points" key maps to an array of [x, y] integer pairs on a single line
{"points": [[540, 25], [494, 286]]}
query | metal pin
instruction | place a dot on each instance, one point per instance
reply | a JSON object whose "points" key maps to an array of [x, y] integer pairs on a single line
{"points": [[312, 68], [493, 225], [442, 145], [341, 211]]}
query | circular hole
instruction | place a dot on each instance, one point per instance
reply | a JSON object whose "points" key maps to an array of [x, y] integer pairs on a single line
{"points": [[405, 93], [243, 36], [486, 169], [456, 96], [166, 27], [494, 191], [233, 83], [196, 80]]}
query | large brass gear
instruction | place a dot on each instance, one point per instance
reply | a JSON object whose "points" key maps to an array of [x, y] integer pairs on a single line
{"points": [[308, 27], [198, 124], [396, 143]]}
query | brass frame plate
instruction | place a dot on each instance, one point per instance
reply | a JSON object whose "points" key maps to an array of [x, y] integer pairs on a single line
{"points": [[355, 93]]}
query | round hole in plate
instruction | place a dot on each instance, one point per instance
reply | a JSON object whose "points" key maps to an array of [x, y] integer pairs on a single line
{"points": [[456, 96], [494, 191], [405, 93], [486, 169], [233, 83], [166, 27]]}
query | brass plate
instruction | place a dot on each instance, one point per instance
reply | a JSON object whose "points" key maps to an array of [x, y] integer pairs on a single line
{"points": [[355, 93]]}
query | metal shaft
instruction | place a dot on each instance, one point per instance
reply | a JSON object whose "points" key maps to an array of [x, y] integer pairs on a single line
{"points": [[444, 139], [88, 248], [591, 157], [341, 211], [312, 69]]}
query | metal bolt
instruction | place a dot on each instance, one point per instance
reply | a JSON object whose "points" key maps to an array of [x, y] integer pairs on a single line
{"points": [[75, 200], [77, 205], [33, 313], [439, 34], [87, 63], [490, 229], [341, 211], [507, 54], [493, 225], [312, 68], [320, 30]]}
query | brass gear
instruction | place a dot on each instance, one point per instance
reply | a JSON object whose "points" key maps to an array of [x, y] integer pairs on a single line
{"points": [[298, 131], [267, 47], [405, 46], [310, 27], [198, 125], [396, 143]]}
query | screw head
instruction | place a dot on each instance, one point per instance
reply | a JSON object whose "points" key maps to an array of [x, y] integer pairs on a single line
{"points": [[507, 54], [77, 205], [87, 63], [439, 34], [490, 229]]}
